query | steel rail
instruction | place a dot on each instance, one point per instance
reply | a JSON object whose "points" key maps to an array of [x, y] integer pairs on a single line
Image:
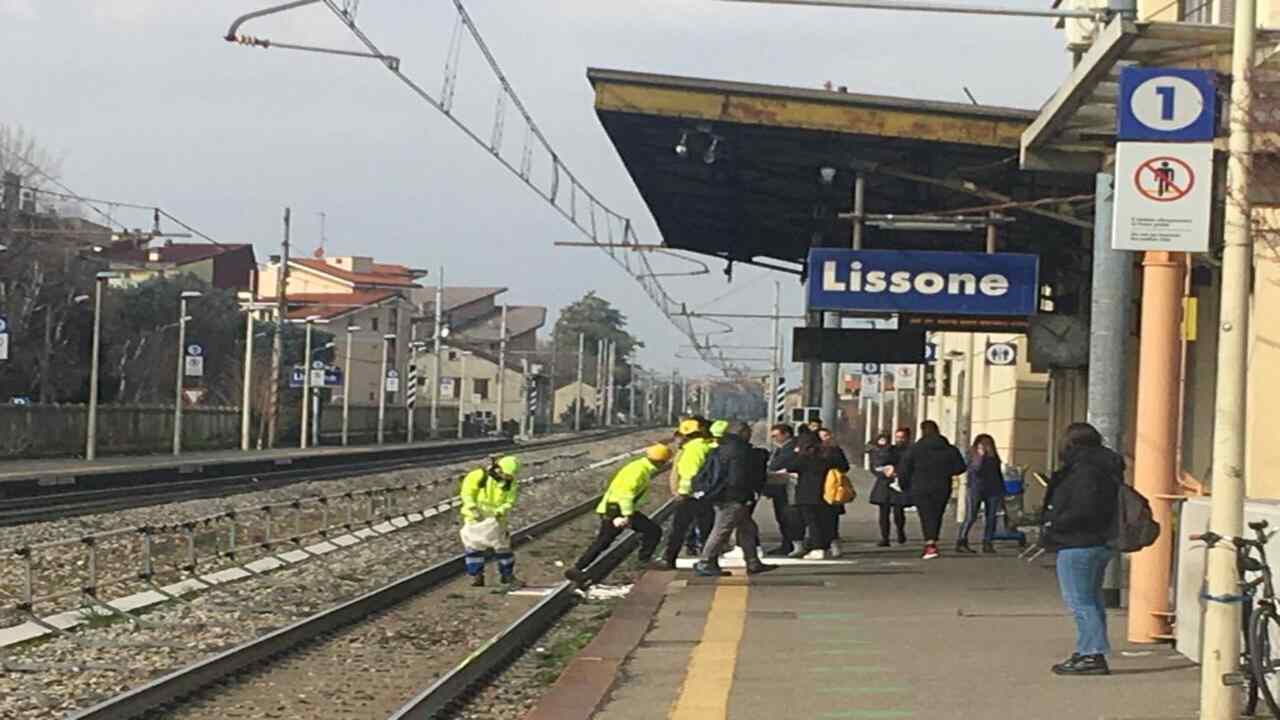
{"points": [[70, 504], [193, 678], [503, 647]]}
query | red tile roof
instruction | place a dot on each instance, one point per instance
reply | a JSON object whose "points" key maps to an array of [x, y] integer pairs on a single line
{"points": [[388, 275], [331, 305]]}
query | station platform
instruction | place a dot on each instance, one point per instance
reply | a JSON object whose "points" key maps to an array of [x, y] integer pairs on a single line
{"points": [[878, 633]]}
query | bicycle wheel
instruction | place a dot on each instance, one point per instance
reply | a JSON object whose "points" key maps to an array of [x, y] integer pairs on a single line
{"points": [[1264, 627]]}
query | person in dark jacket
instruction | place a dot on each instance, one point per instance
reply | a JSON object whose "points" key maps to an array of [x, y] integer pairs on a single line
{"points": [[1079, 522], [984, 485], [811, 465], [926, 473], [839, 461], [885, 458], [741, 473], [785, 516]]}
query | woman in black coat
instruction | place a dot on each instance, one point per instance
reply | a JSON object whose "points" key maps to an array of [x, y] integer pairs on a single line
{"points": [[984, 486], [811, 463], [884, 462]]}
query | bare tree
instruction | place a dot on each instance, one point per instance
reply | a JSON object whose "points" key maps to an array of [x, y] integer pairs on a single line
{"points": [[22, 154]]}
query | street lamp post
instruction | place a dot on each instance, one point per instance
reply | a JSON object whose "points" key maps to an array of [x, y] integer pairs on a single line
{"points": [[306, 383], [91, 437], [382, 387], [346, 388], [439, 334], [182, 360]]}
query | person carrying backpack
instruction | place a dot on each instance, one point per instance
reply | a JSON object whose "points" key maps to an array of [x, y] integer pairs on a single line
{"points": [[1080, 524], [731, 481]]}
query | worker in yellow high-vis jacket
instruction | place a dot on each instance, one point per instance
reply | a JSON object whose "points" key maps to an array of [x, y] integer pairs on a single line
{"points": [[619, 510], [696, 445], [488, 496]]}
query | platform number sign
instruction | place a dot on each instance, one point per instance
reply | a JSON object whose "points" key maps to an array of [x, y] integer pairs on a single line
{"points": [[1166, 105], [4, 338], [1002, 354], [194, 363], [393, 381]]}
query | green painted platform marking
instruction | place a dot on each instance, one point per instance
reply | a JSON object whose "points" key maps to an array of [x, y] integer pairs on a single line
{"points": [[868, 714], [844, 651], [843, 641], [831, 616], [851, 669], [876, 690]]}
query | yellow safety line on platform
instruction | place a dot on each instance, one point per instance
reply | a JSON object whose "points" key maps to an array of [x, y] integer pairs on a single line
{"points": [[705, 693]]}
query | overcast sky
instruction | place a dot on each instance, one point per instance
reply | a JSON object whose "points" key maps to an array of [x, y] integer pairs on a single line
{"points": [[145, 103]]}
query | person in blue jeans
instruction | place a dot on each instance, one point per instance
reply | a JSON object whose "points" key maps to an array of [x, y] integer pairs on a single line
{"points": [[984, 486], [1079, 522]]}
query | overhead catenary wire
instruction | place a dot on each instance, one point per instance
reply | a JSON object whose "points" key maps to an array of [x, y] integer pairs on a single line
{"points": [[586, 221]]}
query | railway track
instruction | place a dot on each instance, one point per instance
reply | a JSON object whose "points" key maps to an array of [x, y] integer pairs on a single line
{"points": [[71, 503], [373, 655]]}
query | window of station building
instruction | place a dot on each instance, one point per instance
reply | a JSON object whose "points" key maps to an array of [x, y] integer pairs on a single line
{"points": [[1220, 12], [373, 323], [480, 389]]}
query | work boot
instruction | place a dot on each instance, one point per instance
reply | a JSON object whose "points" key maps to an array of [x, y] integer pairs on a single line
{"points": [[759, 567], [511, 582], [477, 581], [704, 570], [988, 549], [1083, 665], [884, 542], [962, 547]]}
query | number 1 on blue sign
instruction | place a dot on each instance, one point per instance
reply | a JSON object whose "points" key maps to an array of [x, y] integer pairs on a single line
{"points": [[1166, 101]]}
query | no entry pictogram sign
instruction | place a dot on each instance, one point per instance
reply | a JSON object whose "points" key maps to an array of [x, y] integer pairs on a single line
{"points": [[1163, 193], [1164, 179]]}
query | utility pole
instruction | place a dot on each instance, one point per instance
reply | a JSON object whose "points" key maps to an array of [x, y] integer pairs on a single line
{"points": [[577, 407], [526, 417], [246, 392], [382, 387], [182, 360], [435, 350], [1221, 652], [277, 347], [502, 369], [671, 399], [631, 396], [346, 389], [91, 439], [462, 393], [611, 349], [306, 384]]}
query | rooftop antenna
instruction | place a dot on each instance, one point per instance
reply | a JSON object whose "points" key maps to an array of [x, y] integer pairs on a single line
{"points": [[972, 99], [320, 250]]}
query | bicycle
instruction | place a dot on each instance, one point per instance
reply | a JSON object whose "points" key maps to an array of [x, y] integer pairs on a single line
{"points": [[1260, 621]]}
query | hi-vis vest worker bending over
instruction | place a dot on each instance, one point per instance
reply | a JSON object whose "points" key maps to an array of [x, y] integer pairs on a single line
{"points": [[488, 495], [618, 510]]}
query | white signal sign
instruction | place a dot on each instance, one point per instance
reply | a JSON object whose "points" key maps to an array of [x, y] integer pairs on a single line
{"points": [[904, 377], [1002, 354], [871, 387], [1163, 196], [194, 366]]}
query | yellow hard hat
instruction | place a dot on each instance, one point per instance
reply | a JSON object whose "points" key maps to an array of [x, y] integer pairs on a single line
{"points": [[658, 453], [509, 465], [688, 427], [719, 427]]}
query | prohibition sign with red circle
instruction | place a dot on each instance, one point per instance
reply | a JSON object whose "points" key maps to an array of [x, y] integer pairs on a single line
{"points": [[1164, 179]]}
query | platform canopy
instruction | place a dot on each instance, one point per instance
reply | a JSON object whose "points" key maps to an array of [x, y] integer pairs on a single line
{"points": [[750, 180]]}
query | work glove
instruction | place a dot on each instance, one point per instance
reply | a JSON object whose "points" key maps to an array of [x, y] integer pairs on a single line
{"points": [[621, 522]]}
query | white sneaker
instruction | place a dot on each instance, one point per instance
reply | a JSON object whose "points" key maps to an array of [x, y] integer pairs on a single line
{"points": [[816, 555], [835, 550]]}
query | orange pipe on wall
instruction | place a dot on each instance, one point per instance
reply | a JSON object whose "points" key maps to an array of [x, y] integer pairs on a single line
{"points": [[1156, 462]]}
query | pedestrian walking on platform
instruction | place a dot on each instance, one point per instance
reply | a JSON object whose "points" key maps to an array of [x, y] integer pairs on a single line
{"points": [[1079, 521], [619, 510], [839, 461], [695, 446], [488, 496], [886, 494], [733, 481], [785, 515], [984, 486], [927, 473], [811, 466]]}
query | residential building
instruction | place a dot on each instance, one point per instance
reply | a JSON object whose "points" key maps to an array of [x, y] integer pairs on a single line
{"points": [[474, 318], [568, 395], [229, 267]]}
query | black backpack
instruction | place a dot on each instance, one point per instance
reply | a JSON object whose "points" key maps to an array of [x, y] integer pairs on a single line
{"points": [[710, 480], [1136, 528]]}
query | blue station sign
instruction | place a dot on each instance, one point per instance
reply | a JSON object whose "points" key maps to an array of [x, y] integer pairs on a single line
{"points": [[1166, 105], [922, 281]]}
